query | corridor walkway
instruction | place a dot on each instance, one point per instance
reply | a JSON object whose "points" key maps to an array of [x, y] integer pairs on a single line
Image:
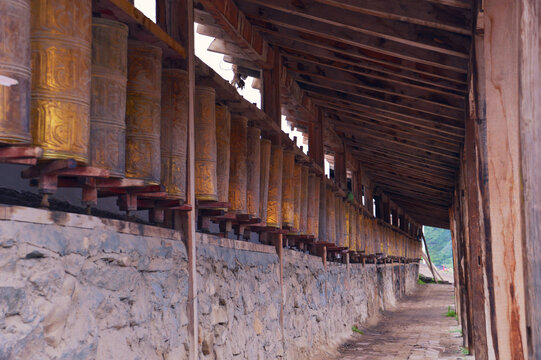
{"points": [[417, 329]]}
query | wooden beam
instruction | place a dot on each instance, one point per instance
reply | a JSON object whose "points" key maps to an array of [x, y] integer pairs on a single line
{"points": [[378, 84], [431, 14], [271, 19], [296, 41], [234, 23], [362, 120], [315, 140], [435, 113], [271, 92], [410, 34]]}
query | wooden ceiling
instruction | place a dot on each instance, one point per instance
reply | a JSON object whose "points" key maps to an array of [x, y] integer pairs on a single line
{"points": [[390, 77]]}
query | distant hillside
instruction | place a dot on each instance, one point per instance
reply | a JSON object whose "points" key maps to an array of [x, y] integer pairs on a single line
{"points": [[439, 245]]}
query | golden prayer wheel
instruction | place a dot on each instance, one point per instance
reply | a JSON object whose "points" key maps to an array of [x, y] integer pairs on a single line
{"points": [[304, 200], [108, 101], [174, 131], [223, 137], [346, 225], [274, 202], [265, 156], [143, 111], [206, 186], [331, 221], [61, 37], [15, 72], [237, 172], [288, 189], [253, 163], [297, 197], [311, 217], [315, 202]]}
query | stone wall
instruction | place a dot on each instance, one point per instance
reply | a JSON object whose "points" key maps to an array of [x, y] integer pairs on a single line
{"points": [[80, 287]]}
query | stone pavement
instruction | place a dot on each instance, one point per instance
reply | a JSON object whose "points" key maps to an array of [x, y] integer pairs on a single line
{"points": [[416, 329]]}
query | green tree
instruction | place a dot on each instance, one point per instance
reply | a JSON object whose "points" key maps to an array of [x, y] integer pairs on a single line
{"points": [[439, 245]]}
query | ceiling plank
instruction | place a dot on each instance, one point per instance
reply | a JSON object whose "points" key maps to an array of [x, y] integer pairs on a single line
{"points": [[335, 95], [410, 34], [325, 48], [390, 99], [272, 19], [437, 16], [341, 106]]}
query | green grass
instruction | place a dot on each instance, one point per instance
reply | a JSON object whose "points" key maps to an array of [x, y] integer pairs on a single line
{"points": [[354, 328], [451, 312], [465, 351], [457, 331], [420, 282]]}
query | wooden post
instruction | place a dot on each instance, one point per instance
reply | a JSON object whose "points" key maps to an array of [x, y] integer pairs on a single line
{"points": [[505, 47], [315, 140], [177, 18], [271, 93]]}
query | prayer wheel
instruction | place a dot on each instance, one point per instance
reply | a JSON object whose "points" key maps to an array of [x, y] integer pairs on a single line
{"points": [[322, 228], [15, 72], [143, 110], [253, 163], [264, 167], [331, 221], [274, 202], [223, 143], [174, 131], [346, 225], [108, 101], [304, 200], [288, 189], [61, 36], [311, 208], [297, 207], [237, 172], [206, 187]]}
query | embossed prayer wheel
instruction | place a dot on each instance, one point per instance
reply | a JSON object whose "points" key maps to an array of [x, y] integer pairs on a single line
{"points": [[253, 163], [206, 186], [108, 101], [265, 157], [331, 221], [61, 34], [311, 204], [15, 72], [304, 200], [274, 202], [297, 207], [288, 189], [223, 143], [237, 172], [174, 131], [143, 111]]}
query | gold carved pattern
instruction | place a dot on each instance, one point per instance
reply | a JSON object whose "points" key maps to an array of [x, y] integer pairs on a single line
{"points": [[15, 65], [174, 127], [143, 112], [274, 202], [253, 163], [61, 61], [108, 100], [205, 144], [238, 171], [288, 188], [223, 140]]}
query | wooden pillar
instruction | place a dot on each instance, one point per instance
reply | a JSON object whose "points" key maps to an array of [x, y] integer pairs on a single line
{"points": [[177, 18], [322, 211], [271, 92], [315, 140], [511, 83], [340, 173]]}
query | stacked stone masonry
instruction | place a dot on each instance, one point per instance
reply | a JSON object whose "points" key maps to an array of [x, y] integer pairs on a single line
{"points": [[81, 287]]}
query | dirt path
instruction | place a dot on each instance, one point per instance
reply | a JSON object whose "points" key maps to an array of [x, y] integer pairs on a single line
{"points": [[416, 329]]}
